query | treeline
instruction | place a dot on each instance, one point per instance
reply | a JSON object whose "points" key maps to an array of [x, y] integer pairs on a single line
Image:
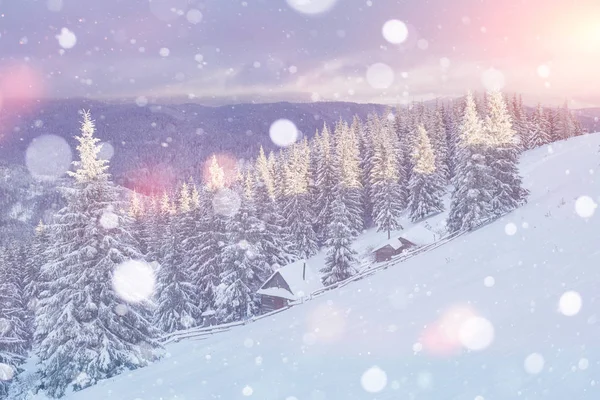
{"points": [[215, 242]]}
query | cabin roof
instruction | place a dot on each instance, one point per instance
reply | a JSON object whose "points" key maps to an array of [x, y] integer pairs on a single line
{"points": [[415, 235], [292, 275]]}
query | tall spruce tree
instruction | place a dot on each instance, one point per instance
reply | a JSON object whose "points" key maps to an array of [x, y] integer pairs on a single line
{"points": [[503, 157], [386, 192], [296, 208], [426, 187], [176, 295], [14, 327], [80, 336], [325, 180], [565, 123], [340, 262], [244, 265], [204, 247], [177, 303], [348, 169], [473, 181], [539, 129], [277, 247], [439, 142]]}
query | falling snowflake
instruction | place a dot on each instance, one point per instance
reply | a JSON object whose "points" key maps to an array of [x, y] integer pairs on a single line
{"points": [[109, 220], [510, 229], [134, 281], [395, 31], [380, 76], [476, 333], [66, 38], [247, 391], [374, 380], [585, 206], [534, 363], [283, 132], [48, 157], [492, 79], [570, 303]]}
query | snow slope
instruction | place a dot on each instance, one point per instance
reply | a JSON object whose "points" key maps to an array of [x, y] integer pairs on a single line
{"points": [[512, 272]]}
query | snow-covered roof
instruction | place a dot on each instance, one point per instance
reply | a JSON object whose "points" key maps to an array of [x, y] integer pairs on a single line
{"points": [[292, 274], [419, 235], [394, 243]]}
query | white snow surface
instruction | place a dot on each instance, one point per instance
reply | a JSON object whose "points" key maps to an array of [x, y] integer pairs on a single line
{"points": [[323, 348]]}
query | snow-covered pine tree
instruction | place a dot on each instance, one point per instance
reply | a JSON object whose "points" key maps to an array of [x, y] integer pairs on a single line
{"points": [[451, 137], [244, 265], [277, 247], [539, 129], [340, 262], [426, 187], [348, 164], [439, 143], [403, 131], [325, 180], [296, 208], [386, 193], [81, 337], [14, 317], [139, 226], [503, 157], [577, 128], [472, 181], [519, 122], [366, 141], [204, 247], [553, 126], [177, 305], [566, 128]]}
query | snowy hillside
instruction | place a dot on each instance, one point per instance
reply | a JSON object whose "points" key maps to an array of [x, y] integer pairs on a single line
{"points": [[404, 333]]}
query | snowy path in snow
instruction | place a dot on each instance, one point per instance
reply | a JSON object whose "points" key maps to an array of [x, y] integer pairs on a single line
{"points": [[512, 273]]}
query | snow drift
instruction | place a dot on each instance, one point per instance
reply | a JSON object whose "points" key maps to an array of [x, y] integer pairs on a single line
{"points": [[507, 311]]}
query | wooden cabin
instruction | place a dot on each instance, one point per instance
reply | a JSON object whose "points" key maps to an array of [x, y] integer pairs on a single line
{"points": [[391, 248], [289, 283]]}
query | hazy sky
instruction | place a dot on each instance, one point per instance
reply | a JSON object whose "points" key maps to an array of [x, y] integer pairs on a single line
{"points": [[225, 51]]}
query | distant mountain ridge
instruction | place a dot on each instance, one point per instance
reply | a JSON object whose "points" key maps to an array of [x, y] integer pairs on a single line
{"points": [[155, 146], [164, 143]]}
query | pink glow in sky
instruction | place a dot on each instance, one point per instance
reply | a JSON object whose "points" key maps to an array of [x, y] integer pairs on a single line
{"points": [[263, 50]]}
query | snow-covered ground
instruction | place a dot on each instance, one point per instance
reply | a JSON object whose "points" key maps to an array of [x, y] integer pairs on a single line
{"points": [[405, 332]]}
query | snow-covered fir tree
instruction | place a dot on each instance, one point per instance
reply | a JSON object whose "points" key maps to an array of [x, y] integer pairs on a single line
{"points": [[204, 249], [277, 247], [348, 169], [296, 208], [244, 265], [472, 182], [553, 126], [340, 262], [366, 147], [14, 316], [449, 115], [325, 179], [386, 193], [426, 186], [81, 337], [439, 142], [566, 127], [503, 157], [539, 134], [176, 304], [519, 120]]}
